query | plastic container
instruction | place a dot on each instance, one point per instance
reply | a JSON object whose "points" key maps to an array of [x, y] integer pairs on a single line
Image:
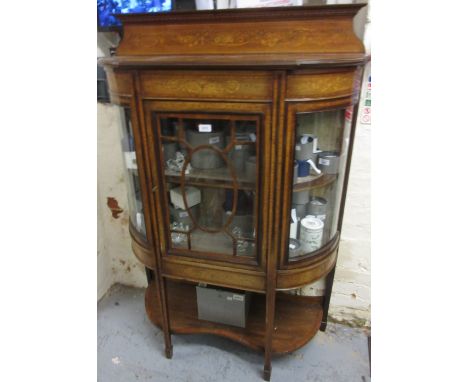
{"points": [[239, 155], [301, 210], [251, 168], [305, 147], [317, 207], [328, 162], [206, 158], [303, 168], [294, 248], [311, 234], [301, 197]]}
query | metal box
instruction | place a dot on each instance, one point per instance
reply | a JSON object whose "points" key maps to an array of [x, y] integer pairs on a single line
{"points": [[223, 306]]}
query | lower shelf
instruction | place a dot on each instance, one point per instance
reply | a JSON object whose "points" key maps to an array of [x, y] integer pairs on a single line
{"points": [[297, 318]]}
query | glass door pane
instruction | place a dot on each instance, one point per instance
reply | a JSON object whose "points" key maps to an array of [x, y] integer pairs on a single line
{"points": [[210, 178], [135, 204], [320, 152]]}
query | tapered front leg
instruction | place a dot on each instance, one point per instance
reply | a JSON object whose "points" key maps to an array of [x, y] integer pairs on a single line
{"points": [[161, 289], [269, 330], [267, 372], [165, 318], [169, 350], [326, 298]]}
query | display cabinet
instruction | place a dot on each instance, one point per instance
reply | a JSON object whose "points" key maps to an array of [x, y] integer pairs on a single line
{"points": [[237, 134]]}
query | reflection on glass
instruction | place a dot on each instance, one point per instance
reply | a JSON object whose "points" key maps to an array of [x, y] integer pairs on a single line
{"points": [[210, 168], [320, 152], [135, 204]]}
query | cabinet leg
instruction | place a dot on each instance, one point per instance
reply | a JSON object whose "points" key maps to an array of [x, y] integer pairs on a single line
{"points": [[269, 331], [326, 299], [149, 275], [166, 321], [267, 372], [169, 351], [161, 292], [323, 326]]}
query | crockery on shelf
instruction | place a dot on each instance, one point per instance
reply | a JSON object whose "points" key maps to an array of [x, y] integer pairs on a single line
{"points": [[317, 207], [311, 233], [329, 162], [294, 248], [206, 158]]}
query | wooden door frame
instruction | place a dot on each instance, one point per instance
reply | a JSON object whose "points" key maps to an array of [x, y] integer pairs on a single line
{"points": [[262, 110]]}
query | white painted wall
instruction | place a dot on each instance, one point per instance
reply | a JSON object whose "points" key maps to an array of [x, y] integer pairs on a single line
{"points": [[351, 292], [115, 257], [104, 273], [351, 299]]}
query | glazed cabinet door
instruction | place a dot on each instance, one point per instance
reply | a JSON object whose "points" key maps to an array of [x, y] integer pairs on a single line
{"points": [[209, 160], [131, 175], [317, 156]]}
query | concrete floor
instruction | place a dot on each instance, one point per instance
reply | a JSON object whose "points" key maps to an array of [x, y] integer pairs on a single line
{"points": [[131, 348]]}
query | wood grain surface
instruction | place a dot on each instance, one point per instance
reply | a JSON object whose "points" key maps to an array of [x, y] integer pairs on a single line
{"points": [[268, 64], [320, 85], [287, 30], [297, 318], [245, 85], [141, 248]]}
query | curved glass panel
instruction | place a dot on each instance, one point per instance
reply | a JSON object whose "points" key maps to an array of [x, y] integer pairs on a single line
{"points": [[320, 152], [135, 204], [210, 178]]}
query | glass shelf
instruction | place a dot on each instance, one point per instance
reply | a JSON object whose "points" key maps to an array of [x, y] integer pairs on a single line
{"points": [[310, 182], [220, 177]]}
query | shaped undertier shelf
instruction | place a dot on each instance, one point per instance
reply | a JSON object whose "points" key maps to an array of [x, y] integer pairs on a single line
{"points": [[297, 318]]}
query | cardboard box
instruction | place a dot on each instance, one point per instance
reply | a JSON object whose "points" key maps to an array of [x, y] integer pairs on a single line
{"points": [[223, 306], [193, 195]]}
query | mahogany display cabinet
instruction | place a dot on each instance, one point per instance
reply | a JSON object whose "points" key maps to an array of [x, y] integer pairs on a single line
{"points": [[237, 134]]}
